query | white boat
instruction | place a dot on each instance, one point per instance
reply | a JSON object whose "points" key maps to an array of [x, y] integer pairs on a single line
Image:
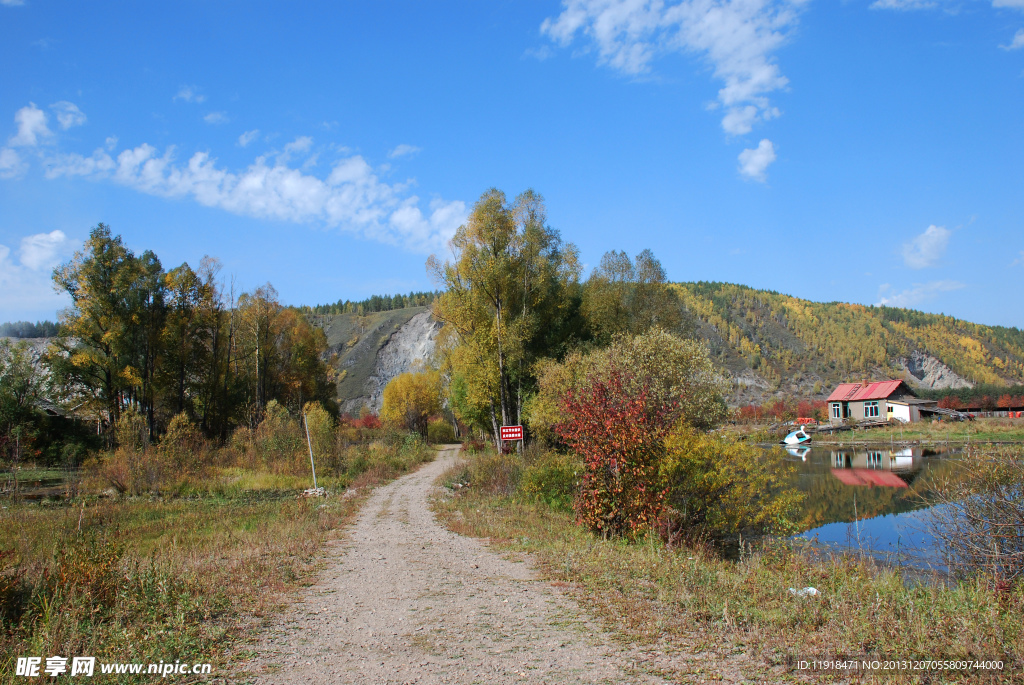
{"points": [[798, 452], [797, 437]]}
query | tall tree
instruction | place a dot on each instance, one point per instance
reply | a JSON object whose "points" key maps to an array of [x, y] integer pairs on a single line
{"points": [[21, 387], [258, 313], [508, 288], [165, 343], [627, 296], [186, 335], [105, 334]]}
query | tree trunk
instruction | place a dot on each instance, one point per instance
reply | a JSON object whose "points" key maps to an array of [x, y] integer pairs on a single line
{"points": [[497, 430]]}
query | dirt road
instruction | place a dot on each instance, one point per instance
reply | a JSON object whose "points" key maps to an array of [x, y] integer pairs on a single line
{"points": [[406, 601]]}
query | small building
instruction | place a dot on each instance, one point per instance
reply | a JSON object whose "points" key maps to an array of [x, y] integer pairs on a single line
{"points": [[879, 401]]}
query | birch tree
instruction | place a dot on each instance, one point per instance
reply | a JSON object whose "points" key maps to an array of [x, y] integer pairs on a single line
{"points": [[509, 289]]}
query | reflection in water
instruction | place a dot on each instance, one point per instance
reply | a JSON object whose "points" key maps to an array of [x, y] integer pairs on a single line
{"points": [[869, 497]]}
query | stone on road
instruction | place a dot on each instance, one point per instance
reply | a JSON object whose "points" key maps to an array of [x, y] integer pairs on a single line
{"points": [[407, 601]]}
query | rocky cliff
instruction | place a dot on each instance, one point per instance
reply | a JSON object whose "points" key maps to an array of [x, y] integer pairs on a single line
{"points": [[371, 350], [928, 372]]}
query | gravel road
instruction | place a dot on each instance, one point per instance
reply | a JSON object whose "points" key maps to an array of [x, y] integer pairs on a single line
{"points": [[406, 601]]}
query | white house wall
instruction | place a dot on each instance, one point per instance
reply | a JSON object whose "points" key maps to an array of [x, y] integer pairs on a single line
{"points": [[900, 412]]}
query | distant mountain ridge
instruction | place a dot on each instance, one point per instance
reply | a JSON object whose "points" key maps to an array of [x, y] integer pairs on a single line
{"points": [[767, 344], [772, 344]]}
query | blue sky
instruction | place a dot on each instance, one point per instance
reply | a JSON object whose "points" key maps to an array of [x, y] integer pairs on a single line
{"points": [[859, 151]]}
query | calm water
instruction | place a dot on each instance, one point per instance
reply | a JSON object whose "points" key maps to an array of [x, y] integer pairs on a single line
{"points": [[870, 498]]}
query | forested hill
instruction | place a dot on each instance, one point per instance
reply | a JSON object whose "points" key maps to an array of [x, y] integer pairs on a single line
{"points": [[770, 342]]}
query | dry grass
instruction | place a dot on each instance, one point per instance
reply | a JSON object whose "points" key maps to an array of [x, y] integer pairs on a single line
{"points": [[170, 576], [691, 599]]}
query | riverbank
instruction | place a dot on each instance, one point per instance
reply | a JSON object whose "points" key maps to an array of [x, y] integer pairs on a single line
{"points": [[999, 431], [691, 599]]}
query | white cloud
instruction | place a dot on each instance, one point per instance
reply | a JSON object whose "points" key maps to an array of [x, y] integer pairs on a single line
{"points": [[921, 292], [216, 118], [1012, 4], [1017, 43], [300, 144], [903, 5], [110, 142], [26, 293], [351, 197], [248, 137], [737, 37], [68, 114], [26, 288], [189, 94], [10, 163], [32, 126], [926, 249], [402, 150], [43, 249], [12, 3], [754, 162]]}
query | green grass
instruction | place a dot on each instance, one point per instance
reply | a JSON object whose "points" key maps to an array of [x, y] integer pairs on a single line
{"points": [[979, 430], [34, 473], [691, 599], [992, 430]]}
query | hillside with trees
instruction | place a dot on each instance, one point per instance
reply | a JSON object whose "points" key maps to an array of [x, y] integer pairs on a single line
{"points": [[769, 342], [766, 344]]}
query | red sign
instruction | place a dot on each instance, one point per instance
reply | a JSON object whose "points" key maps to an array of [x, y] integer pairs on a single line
{"points": [[511, 432]]}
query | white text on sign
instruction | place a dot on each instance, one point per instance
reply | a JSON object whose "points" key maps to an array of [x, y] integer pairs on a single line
{"points": [[511, 432]]}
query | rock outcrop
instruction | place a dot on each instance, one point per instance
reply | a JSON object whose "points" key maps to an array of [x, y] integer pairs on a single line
{"points": [[411, 344], [929, 372]]}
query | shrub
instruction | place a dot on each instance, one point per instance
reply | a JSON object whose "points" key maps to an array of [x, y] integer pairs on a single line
{"points": [[183, 446], [494, 473], [671, 370], [279, 440], [980, 520], [718, 488], [617, 428], [473, 445], [131, 430], [321, 430], [440, 432], [553, 478]]}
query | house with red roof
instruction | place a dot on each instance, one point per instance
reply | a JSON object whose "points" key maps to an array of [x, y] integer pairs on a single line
{"points": [[876, 401]]}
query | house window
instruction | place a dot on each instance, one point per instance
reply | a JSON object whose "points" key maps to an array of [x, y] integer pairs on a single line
{"points": [[836, 411], [870, 410]]}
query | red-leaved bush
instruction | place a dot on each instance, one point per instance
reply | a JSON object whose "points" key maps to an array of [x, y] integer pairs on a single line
{"points": [[619, 433]]}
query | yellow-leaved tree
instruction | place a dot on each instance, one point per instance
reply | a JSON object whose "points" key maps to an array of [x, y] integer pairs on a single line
{"points": [[410, 399], [511, 292]]}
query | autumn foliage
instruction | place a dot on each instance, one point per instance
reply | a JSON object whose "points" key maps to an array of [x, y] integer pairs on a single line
{"points": [[619, 434], [782, 410]]}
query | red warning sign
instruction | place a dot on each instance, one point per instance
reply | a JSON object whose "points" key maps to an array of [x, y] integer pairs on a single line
{"points": [[511, 432]]}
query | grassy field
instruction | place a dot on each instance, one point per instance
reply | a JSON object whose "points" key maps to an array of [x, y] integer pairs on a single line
{"points": [[169, 576], [690, 600], [979, 430]]}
